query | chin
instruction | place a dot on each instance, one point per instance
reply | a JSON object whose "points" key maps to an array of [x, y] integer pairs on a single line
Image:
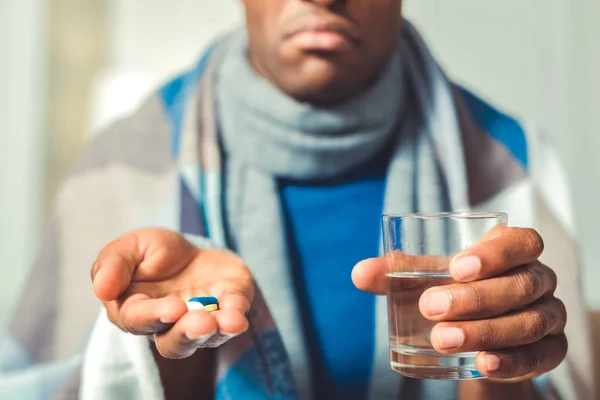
{"points": [[321, 80]]}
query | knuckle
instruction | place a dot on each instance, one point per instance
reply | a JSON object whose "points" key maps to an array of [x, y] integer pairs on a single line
{"points": [[560, 314], [111, 245], [511, 365], [161, 257], [502, 253], [126, 321], [563, 344], [533, 241], [552, 278], [530, 363], [530, 281], [522, 295], [486, 335], [537, 325], [521, 364], [470, 298], [128, 327]]}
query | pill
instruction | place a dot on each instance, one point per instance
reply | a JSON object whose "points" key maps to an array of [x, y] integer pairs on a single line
{"points": [[203, 303]]}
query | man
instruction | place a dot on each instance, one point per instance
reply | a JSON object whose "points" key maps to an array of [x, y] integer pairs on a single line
{"points": [[284, 146]]}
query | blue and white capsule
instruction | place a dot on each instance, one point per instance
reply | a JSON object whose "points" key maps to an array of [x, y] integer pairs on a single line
{"points": [[207, 303]]}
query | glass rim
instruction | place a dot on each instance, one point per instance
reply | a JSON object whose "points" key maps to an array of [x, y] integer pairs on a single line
{"points": [[445, 215]]}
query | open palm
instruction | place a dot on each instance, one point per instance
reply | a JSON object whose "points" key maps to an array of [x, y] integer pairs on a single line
{"points": [[145, 278]]}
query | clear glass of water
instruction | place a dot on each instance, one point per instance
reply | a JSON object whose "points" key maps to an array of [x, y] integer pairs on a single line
{"points": [[419, 248]]}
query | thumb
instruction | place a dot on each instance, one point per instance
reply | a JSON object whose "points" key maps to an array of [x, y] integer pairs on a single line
{"points": [[370, 275], [148, 254], [115, 266]]}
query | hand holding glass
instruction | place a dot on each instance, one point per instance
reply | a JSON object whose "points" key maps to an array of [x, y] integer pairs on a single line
{"points": [[419, 249]]}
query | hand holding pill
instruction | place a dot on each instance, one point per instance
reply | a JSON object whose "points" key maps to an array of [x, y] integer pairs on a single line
{"points": [[154, 282], [207, 303]]}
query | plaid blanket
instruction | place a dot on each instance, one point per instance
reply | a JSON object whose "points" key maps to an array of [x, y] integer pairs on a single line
{"points": [[161, 167]]}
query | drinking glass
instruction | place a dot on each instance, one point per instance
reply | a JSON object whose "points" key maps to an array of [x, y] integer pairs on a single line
{"points": [[419, 248]]}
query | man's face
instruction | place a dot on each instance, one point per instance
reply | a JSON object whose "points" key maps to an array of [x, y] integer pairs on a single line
{"points": [[321, 51]]}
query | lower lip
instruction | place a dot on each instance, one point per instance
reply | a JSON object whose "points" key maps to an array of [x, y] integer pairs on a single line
{"points": [[321, 41]]}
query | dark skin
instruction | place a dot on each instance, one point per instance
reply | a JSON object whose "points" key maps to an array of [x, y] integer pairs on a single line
{"points": [[318, 75], [324, 52], [505, 309]]}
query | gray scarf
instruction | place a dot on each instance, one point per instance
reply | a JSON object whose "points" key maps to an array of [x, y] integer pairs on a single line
{"points": [[267, 135], [265, 129]]}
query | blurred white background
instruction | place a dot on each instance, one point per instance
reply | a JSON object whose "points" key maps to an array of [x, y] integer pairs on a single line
{"points": [[69, 67]]}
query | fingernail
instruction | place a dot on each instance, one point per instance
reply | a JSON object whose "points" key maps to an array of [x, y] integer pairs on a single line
{"points": [[467, 267], [492, 362], [437, 303], [449, 338]]}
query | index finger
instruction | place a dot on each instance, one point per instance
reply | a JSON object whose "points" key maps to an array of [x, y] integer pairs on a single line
{"points": [[512, 248], [141, 315]]}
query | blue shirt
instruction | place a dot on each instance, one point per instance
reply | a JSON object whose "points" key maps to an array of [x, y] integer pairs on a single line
{"points": [[331, 226]]}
